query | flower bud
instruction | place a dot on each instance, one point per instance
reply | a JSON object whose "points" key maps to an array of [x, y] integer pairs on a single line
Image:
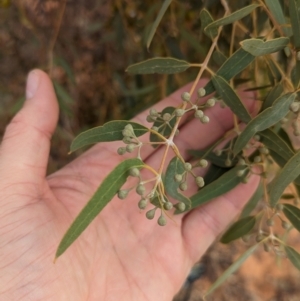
{"points": [[151, 213], [168, 206], [140, 189], [200, 181], [166, 116], [187, 166], [205, 119], [122, 194], [180, 206], [179, 112], [121, 150], [203, 163], [162, 221], [185, 96], [199, 114], [130, 148], [183, 186], [143, 204], [153, 113], [201, 92], [178, 178], [134, 172], [211, 102]]}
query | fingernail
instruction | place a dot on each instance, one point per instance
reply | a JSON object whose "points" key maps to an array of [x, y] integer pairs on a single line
{"points": [[32, 84]]}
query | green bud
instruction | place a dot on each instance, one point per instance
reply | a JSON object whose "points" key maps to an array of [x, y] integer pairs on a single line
{"points": [[168, 206], [259, 237], [179, 112], [127, 140], [153, 113], [166, 117], [211, 102], [201, 92], [199, 114], [256, 137], [127, 133], [178, 178], [263, 150], [177, 132], [187, 166], [245, 180], [228, 162], [203, 163], [205, 119], [185, 96], [143, 204], [128, 127], [122, 194], [162, 221], [155, 128], [150, 119], [183, 186], [257, 159], [130, 148], [285, 225], [294, 107], [140, 189], [200, 181], [121, 150], [218, 152], [296, 132], [134, 172], [151, 213], [180, 206], [240, 172], [279, 207], [241, 162], [246, 238]]}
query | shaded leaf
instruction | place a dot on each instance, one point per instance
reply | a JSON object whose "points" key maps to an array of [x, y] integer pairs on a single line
{"points": [[293, 256], [154, 26], [175, 167], [259, 47], [264, 120], [235, 16], [294, 10], [230, 98], [219, 57], [233, 66], [161, 65], [223, 184], [110, 131], [207, 19], [239, 229], [106, 191], [295, 74], [251, 204], [164, 129], [275, 8], [284, 136], [231, 269], [286, 175], [292, 213], [214, 172], [287, 196], [274, 93]]}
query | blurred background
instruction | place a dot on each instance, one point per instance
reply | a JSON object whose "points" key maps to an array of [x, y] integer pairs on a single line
{"points": [[86, 46]]}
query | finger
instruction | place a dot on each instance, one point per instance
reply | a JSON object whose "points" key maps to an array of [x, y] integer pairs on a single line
{"points": [[26, 142], [202, 225]]}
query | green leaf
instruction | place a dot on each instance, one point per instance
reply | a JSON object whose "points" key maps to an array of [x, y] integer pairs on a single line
{"points": [[110, 131], [154, 26], [259, 47], [292, 213], [251, 204], [214, 172], [230, 98], [106, 191], [233, 66], [164, 129], [294, 9], [223, 184], [293, 256], [161, 65], [219, 57], [238, 229], [274, 93], [207, 19], [231, 269], [264, 120], [295, 74], [285, 176], [275, 8], [235, 16], [175, 167]]}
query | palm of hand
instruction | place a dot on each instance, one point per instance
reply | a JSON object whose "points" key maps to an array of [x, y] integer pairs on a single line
{"points": [[120, 256]]}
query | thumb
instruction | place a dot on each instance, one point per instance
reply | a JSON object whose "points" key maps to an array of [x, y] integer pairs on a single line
{"points": [[24, 151]]}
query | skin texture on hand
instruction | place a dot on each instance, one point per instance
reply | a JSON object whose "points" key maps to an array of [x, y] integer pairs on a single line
{"points": [[121, 255]]}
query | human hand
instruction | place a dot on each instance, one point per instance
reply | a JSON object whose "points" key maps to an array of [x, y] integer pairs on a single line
{"points": [[121, 255]]}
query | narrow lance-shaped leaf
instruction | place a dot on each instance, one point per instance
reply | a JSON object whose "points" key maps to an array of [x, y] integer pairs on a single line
{"points": [[292, 213], [259, 47], [106, 191], [160, 15], [264, 120], [223, 184], [293, 256], [233, 66], [285, 176], [110, 131], [214, 172], [207, 19], [235, 16], [294, 10], [230, 98], [175, 167], [251, 204], [239, 229], [219, 57], [161, 65], [274, 93], [231, 269], [275, 8]]}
